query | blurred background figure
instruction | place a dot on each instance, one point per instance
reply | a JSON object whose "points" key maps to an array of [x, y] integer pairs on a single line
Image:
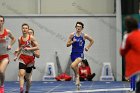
{"points": [[85, 71], [130, 50]]}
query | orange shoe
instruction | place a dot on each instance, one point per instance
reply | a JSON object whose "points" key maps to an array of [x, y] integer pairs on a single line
{"points": [[21, 90], [2, 89]]}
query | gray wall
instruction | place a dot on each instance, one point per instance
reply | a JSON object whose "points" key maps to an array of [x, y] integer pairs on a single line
{"points": [[22, 6], [57, 7], [73, 6], [52, 34]]}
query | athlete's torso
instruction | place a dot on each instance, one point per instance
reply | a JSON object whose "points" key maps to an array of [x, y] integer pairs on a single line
{"points": [[78, 45], [4, 42], [26, 43]]}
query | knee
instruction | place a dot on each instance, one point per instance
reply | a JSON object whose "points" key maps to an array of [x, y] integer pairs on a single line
{"points": [[78, 59], [28, 80], [21, 74], [72, 66]]}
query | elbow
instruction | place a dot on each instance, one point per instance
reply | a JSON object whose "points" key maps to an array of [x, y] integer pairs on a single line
{"points": [[122, 52], [37, 48], [67, 45], [37, 56], [14, 40], [92, 41]]}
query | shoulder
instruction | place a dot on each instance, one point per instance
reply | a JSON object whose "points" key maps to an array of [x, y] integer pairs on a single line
{"points": [[32, 37], [133, 35], [7, 30], [130, 35], [20, 38], [85, 35], [72, 34]]}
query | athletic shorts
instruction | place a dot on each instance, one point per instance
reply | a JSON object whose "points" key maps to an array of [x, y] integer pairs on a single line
{"points": [[4, 56], [23, 66], [76, 55]]}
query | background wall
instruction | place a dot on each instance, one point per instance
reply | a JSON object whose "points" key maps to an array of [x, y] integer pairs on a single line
{"points": [[53, 21], [57, 7], [73, 6], [18, 6]]}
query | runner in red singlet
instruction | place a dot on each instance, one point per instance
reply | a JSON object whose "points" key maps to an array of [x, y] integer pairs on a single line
{"points": [[5, 34], [28, 45]]}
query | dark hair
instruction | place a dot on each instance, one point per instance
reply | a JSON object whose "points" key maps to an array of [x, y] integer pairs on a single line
{"points": [[2, 17], [85, 62], [131, 24], [25, 24], [80, 24], [32, 30]]}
